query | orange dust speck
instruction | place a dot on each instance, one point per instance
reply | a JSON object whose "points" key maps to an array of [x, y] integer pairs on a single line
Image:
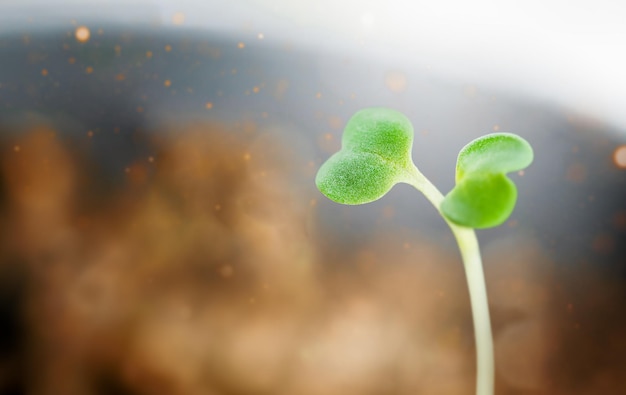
{"points": [[167, 83], [168, 48], [470, 91], [241, 45], [82, 34], [44, 72], [227, 271], [396, 81], [139, 109], [151, 159], [71, 60], [619, 220], [246, 156], [255, 89], [260, 36], [318, 95], [217, 207], [335, 122], [118, 50], [137, 173], [496, 128], [116, 129], [264, 114], [120, 77], [619, 157], [208, 105], [576, 173], [603, 243], [89, 70], [178, 18], [90, 133], [100, 31], [16, 148], [406, 245], [313, 202], [233, 71], [328, 136], [352, 96], [248, 127], [521, 173], [148, 54], [389, 212], [127, 170]]}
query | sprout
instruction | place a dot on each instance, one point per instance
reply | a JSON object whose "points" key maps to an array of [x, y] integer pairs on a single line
{"points": [[376, 154]]}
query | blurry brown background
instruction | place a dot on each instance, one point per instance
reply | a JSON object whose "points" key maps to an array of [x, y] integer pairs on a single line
{"points": [[161, 233]]}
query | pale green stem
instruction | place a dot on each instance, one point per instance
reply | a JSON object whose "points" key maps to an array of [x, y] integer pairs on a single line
{"points": [[470, 253]]}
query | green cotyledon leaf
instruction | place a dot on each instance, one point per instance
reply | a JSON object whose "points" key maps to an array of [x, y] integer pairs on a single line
{"points": [[484, 196], [375, 155]]}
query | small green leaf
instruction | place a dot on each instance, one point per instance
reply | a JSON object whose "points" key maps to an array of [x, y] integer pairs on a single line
{"points": [[483, 196], [494, 153], [375, 155], [381, 131], [355, 177], [481, 201]]}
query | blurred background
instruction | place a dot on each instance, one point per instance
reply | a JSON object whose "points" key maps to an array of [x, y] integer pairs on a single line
{"points": [[160, 231]]}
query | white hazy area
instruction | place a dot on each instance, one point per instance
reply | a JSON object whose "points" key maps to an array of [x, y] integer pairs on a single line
{"points": [[565, 53]]}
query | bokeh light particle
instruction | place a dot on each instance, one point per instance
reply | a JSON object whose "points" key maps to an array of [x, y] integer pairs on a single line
{"points": [[178, 18], [82, 34], [619, 157], [396, 81]]}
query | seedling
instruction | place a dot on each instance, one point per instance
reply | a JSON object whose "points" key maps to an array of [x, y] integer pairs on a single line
{"points": [[376, 154]]}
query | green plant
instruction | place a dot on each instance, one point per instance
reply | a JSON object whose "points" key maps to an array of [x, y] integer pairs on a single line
{"points": [[376, 154]]}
